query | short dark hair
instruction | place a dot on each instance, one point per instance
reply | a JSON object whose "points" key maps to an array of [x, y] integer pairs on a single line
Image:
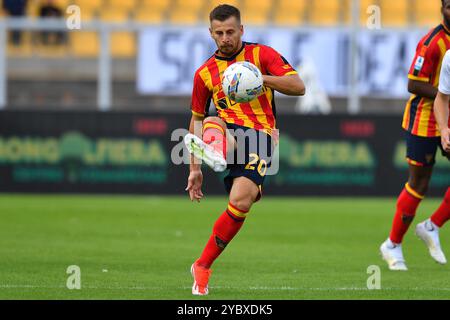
{"points": [[223, 12]]}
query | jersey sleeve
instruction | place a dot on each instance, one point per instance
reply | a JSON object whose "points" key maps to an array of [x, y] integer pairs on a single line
{"points": [[274, 63], [200, 96], [444, 77], [425, 62]]}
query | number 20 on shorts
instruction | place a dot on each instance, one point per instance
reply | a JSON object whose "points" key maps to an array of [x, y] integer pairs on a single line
{"points": [[262, 166]]}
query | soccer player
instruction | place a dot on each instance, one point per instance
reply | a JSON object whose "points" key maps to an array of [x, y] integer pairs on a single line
{"points": [[442, 102], [244, 181], [423, 127]]}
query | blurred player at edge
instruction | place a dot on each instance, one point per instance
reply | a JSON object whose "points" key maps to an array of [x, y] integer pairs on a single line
{"points": [[243, 182], [422, 140]]}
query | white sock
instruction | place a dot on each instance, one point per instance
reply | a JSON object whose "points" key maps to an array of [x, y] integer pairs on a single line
{"points": [[391, 244]]}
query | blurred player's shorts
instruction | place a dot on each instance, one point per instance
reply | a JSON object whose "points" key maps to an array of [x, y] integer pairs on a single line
{"points": [[421, 151]]}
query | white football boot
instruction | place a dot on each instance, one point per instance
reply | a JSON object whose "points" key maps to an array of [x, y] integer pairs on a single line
{"points": [[205, 152], [393, 255], [429, 233]]}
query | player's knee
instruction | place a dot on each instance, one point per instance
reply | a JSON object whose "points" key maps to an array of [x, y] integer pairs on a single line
{"points": [[419, 179], [242, 203], [215, 120], [420, 187], [244, 193], [419, 184]]}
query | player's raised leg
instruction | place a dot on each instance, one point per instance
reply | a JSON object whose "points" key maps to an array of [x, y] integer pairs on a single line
{"points": [[212, 148], [243, 194], [428, 230], [407, 203]]}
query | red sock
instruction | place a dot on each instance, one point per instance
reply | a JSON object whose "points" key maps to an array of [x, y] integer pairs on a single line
{"points": [[214, 135], [443, 212], [225, 228], [407, 204]]}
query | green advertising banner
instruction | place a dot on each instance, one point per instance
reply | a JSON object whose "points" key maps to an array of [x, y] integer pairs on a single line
{"points": [[93, 152]]}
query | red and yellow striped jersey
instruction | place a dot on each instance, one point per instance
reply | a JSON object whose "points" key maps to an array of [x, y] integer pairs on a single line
{"points": [[258, 114], [418, 118]]}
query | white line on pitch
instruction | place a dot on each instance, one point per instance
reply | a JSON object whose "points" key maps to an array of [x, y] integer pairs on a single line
{"points": [[262, 288]]}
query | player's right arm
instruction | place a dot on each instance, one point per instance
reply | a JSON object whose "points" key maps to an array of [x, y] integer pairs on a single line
{"points": [[199, 103], [195, 178], [422, 89], [441, 103]]}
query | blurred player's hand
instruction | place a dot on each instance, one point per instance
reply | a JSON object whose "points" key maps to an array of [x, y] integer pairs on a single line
{"points": [[445, 139], [194, 186]]}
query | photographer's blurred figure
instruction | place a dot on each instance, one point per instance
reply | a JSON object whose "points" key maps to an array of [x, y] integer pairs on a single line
{"points": [[49, 9], [15, 9]]}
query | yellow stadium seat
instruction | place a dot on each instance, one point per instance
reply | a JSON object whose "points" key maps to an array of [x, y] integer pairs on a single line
{"points": [[214, 3], [123, 4], [210, 5], [290, 12], [148, 16], [123, 45], [364, 15], [256, 18], [427, 13], [364, 10], [186, 12], [151, 11], [88, 14], [50, 51], [32, 9], [114, 15], [257, 4], [22, 51], [87, 44], [25, 49], [191, 5], [84, 44], [256, 12], [325, 12], [292, 5], [183, 17], [89, 4], [63, 3], [288, 18], [394, 13], [89, 8], [158, 5]]}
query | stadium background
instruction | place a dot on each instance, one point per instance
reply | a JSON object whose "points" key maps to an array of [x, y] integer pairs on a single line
{"points": [[83, 116]]}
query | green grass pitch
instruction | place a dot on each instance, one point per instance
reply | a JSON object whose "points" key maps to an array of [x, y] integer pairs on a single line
{"points": [[137, 247]]}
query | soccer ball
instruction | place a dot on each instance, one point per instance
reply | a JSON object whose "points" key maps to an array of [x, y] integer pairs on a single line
{"points": [[242, 82]]}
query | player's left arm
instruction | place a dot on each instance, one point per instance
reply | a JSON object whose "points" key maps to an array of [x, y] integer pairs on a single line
{"points": [[290, 85]]}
